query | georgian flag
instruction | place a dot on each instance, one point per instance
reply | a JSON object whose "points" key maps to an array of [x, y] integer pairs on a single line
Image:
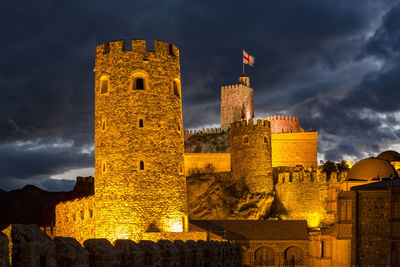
{"points": [[247, 59]]}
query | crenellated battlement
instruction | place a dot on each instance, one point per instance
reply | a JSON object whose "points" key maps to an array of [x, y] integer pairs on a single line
{"points": [[203, 131], [250, 123], [232, 87], [138, 46], [281, 117], [309, 176], [284, 124]]}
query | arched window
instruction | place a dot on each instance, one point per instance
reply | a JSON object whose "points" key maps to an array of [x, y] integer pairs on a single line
{"points": [[294, 256], [264, 256], [139, 80], [139, 84], [104, 85], [265, 140], [141, 165], [141, 123]]}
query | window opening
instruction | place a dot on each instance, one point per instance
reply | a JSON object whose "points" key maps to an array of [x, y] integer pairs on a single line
{"points": [[103, 86], [139, 84], [141, 123], [246, 140], [141, 165], [176, 89], [265, 140]]}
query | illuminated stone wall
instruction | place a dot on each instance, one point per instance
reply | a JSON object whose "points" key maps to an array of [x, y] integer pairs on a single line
{"points": [[284, 124], [75, 218], [236, 104], [198, 161], [291, 149], [140, 183], [304, 195], [251, 154]]}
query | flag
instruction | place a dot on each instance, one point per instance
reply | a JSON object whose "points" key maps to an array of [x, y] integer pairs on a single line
{"points": [[247, 59]]}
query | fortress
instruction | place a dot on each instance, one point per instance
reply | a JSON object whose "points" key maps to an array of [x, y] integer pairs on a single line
{"points": [[140, 185], [154, 180]]}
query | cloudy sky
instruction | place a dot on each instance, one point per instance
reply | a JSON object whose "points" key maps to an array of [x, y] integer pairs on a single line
{"points": [[334, 64]]}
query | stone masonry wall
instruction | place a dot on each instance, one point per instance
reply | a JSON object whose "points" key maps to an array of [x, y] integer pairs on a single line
{"points": [[284, 124], [251, 154], [30, 247], [140, 180], [75, 218], [372, 229], [236, 104], [304, 195], [198, 161], [291, 149]]}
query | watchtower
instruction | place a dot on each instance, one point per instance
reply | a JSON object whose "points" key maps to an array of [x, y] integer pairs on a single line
{"points": [[236, 102], [251, 154], [140, 184]]}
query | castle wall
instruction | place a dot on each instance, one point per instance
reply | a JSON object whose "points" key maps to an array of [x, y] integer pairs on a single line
{"points": [[140, 182], [196, 161], [251, 154], [304, 196], [291, 149], [75, 218], [284, 124], [236, 104]]}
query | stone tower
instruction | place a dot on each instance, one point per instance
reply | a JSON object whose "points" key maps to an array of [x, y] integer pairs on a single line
{"points": [[236, 102], [140, 184], [251, 154]]}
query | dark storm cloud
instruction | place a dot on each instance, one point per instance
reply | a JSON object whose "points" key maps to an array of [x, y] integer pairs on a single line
{"points": [[310, 56]]}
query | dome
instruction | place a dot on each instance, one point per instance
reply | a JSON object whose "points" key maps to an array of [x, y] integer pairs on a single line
{"points": [[371, 168], [389, 155]]}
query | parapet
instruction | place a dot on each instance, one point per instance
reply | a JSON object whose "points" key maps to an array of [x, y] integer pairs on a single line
{"points": [[138, 46], [281, 118], [203, 131], [233, 87], [250, 123]]}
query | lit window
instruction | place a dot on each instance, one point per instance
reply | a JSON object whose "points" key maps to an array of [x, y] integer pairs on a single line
{"points": [[103, 85], [245, 139]]}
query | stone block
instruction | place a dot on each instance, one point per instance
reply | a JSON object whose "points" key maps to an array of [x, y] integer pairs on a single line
{"points": [[102, 253], [169, 253], [70, 253], [153, 253], [29, 246], [184, 253], [197, 252], [132, 254]]}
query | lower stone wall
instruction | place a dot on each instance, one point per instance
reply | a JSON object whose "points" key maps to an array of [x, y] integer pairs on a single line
{"points": [[198, 161], [305, 200], [30, 247], [75, 219]]}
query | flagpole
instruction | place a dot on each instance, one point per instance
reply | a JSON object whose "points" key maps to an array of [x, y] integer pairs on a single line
{"points": [[243, 60]]}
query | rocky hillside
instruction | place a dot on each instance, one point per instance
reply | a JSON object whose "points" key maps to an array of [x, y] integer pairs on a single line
{"points": [[215, 196]]}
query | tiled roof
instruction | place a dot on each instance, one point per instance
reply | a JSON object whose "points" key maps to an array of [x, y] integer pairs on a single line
{"points": [[254, 229]]}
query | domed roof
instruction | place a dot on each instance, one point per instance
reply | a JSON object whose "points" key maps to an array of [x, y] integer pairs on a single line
{"points": [[389, 155], [371, 168]]}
